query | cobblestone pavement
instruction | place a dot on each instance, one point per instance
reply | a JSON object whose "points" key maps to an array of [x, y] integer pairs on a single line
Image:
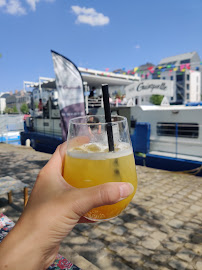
{"points": [[160, 229]]}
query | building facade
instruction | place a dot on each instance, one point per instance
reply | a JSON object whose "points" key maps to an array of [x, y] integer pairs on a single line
{"points": [[184, 70], [17, 99]]}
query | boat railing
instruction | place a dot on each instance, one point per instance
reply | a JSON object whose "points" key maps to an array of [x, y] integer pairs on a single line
{"points": [[98, 102]]}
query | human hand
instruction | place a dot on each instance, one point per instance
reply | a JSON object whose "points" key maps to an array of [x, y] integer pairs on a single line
{"points": [[53, 209]]}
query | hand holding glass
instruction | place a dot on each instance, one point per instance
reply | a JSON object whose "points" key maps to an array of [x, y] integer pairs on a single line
{"points": [[88, 161]]}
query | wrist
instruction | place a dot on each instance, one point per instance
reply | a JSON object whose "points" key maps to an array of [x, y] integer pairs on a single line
{"points": [[19, 251]]}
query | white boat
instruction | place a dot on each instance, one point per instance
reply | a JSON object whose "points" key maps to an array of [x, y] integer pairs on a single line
{"points": [[166, 137], [175, 131]]}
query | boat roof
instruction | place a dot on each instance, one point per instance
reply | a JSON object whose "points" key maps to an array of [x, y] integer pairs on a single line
{"points": [[93, 77], [97, 80], [168, 108]]}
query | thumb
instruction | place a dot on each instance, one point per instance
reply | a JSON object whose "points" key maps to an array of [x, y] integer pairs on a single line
{"points": [[106, 194]]}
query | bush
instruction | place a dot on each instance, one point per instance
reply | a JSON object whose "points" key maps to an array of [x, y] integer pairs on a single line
{"points": [[156, 99], [24, 108], [11, 110]]}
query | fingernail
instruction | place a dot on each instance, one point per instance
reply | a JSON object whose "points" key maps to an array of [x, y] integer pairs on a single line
{"points": [[126, 189]]}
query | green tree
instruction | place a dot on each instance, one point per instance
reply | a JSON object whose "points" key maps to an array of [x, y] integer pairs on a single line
{"points": [[36, 104], [11, 110], [156, 99], [8, 110], [24, 108], [15, 110]]}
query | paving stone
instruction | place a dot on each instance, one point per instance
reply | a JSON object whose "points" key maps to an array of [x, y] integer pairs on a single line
{"points": [[180, 238], [199, 265], [147, 227], [162, 221], [116, 221], [197, 221], [195, 208], [105, 226], [151, 243], [95, 233], [197, 238], [158, 236], [133, 211], [184, 218], [150, 265], [192, 197], [104, 260], [163, 258], [186, 255], [176, 264], [176, 210], [191, 226], [142, 250], [112, 237], [155, 211], [130, 226], [117, 246], [130, 255], [133, 240], [171, 246], [120, 230], [175, 223], [197, 249], [127, 218], [169, 213], [140, 232]]}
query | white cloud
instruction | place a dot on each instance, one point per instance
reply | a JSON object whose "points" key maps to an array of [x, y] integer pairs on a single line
{"points": [[137, 46], [2, 3], [14, 7], [32, 4], [89, 16]]}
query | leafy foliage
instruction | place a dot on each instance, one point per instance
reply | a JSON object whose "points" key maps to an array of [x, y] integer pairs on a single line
{"points": [[156, 99], [11, 110], [24, 108]]}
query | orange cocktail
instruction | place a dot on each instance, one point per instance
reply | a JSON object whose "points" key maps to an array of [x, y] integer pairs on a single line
{"points": [[88, 163]]}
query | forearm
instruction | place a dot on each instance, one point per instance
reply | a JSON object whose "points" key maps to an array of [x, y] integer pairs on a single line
{"points": [[20, 251]]}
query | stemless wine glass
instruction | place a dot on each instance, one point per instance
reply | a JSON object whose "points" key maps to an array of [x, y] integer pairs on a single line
{"points": [[89, 162]]}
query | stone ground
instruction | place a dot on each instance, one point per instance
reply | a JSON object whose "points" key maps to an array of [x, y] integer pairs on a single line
{"points": [[160, 229]]}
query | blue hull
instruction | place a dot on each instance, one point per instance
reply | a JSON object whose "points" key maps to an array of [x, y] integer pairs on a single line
{"points": [[170, 164], [48, 144], [41, 142]]}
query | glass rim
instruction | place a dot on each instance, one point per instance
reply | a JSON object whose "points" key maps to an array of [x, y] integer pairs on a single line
{"points": [[74, 120]]}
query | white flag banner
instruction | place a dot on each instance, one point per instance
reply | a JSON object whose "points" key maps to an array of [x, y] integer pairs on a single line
{"points": [[70, 90]]}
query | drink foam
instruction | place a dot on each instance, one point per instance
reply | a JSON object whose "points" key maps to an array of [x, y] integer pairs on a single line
{"points": [[97, 151]]}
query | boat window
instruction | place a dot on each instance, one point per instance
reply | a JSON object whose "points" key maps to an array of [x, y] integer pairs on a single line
{"points": [[186, 130]]}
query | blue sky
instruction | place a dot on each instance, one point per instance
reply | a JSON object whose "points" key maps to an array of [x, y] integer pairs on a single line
{"points": [[96, 34]]}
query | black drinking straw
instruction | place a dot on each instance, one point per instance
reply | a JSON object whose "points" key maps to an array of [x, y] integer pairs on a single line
{"points": [[105, 94]]}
